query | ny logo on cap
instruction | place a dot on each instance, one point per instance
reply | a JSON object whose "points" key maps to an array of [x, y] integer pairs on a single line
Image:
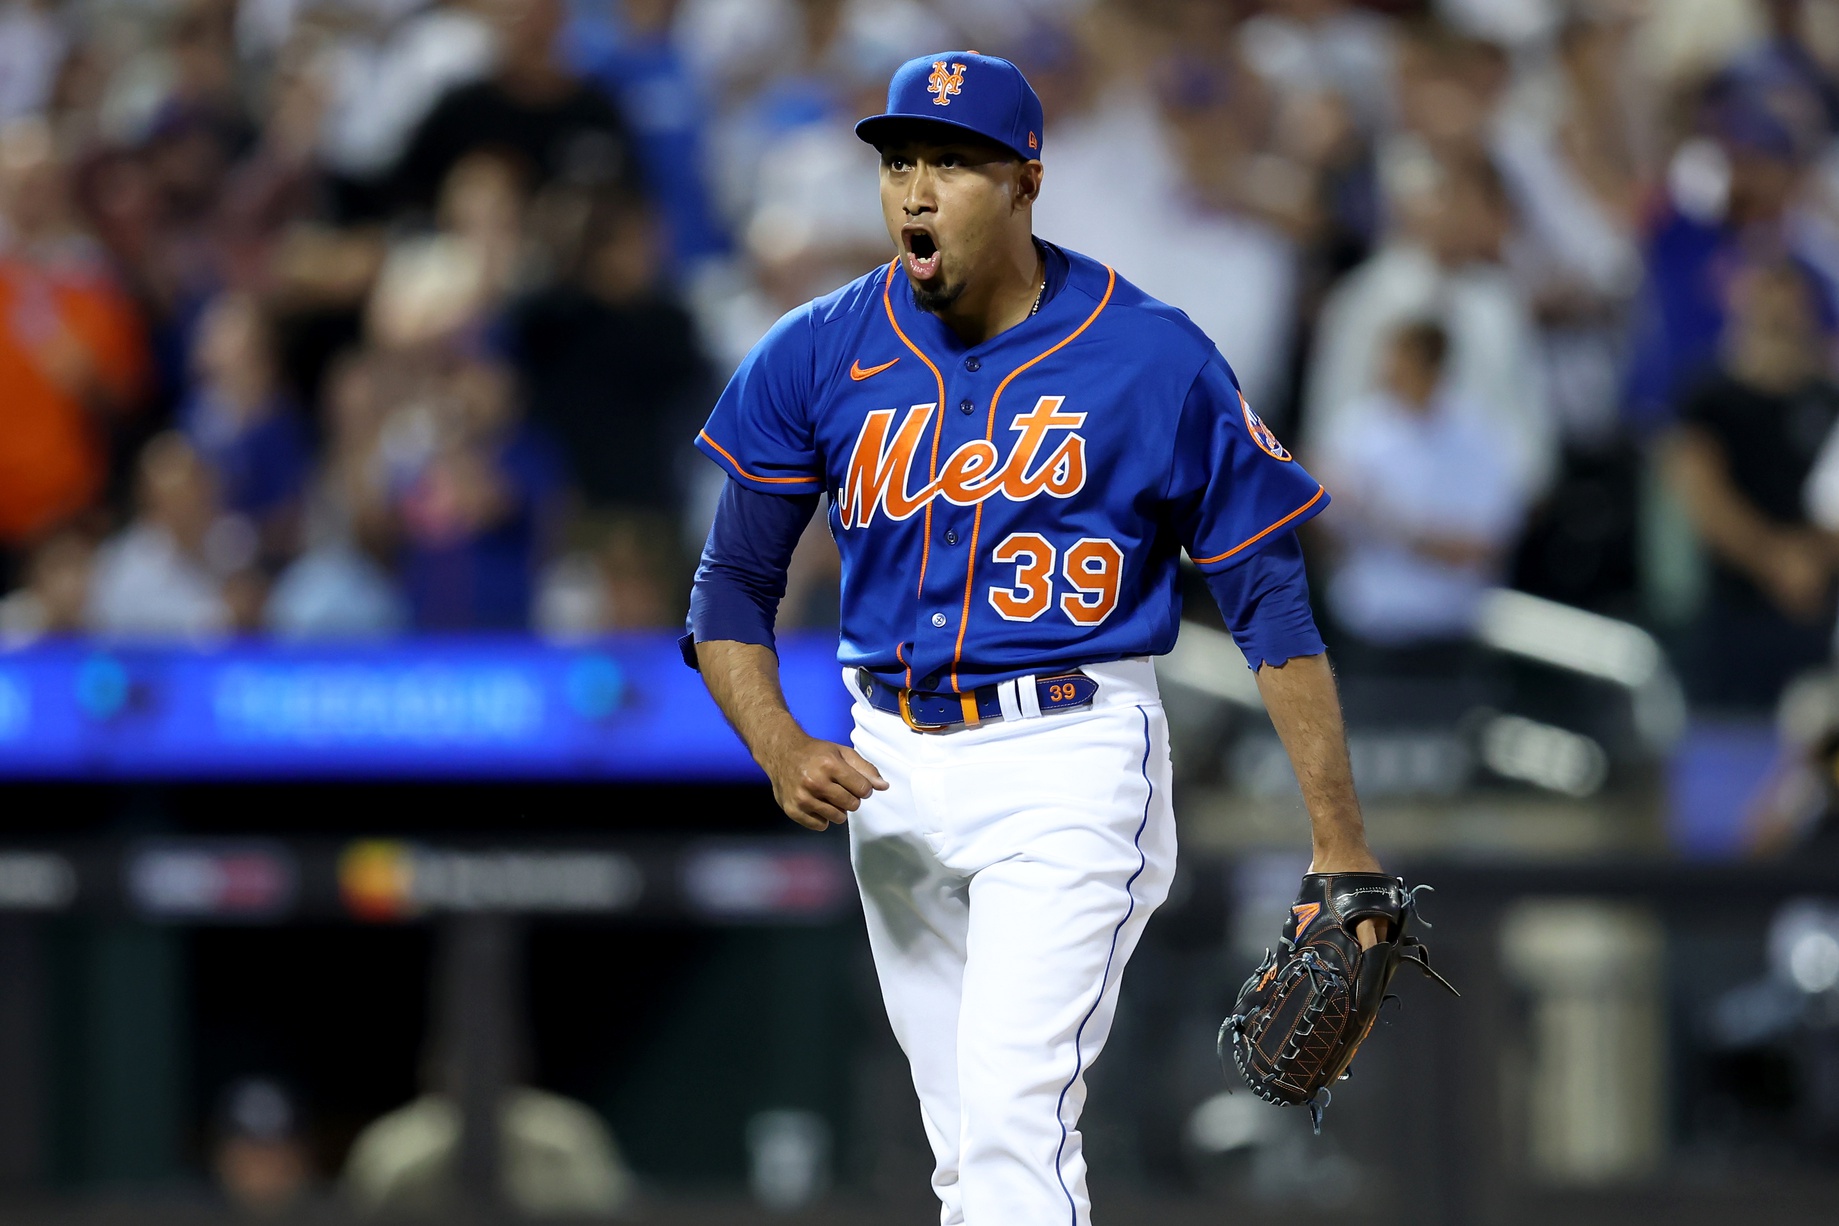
{"points": [[945, 82]]}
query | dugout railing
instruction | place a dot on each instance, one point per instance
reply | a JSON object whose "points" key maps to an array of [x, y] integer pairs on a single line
{"points": [[1573, 1079]]}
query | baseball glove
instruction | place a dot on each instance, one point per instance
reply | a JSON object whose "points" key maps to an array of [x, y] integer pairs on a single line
{"points": [[1305, 1011]]}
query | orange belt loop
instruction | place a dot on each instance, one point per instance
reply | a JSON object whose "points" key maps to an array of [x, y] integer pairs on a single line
{"points": [[969, 703]]}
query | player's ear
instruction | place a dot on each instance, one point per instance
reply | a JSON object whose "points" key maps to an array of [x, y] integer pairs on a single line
{"points": [[1028, 182]]}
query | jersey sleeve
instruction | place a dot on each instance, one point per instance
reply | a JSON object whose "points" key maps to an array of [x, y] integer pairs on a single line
{"points": [[761, 431], [1232, 486], [1266, 604]]}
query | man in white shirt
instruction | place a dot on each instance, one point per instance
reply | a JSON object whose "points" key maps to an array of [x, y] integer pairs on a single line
{"points": [[1443, 264], [1436, 502]]}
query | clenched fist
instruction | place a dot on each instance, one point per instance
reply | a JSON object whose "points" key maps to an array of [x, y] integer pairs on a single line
{"points": [[820, 783]]}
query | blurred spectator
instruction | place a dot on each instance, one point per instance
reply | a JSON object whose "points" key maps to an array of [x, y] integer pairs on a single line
{"points": [[555, 1156], [169, 125], [804, 191], [1729, 201], [55, 594], [1739, 460], [275, 187], [199, 130], [1566, 146], [260, 1161], [244, 426], [559, 1159], [73, 357], [475, 492], [1796, 810], [736, 46], [1569, 189], [384, 76], [1429, 499], [181, 569], [1686, 41], [340, 587], [1781, 66], [1307, 47], [1571, 139], [1443, 262], [1239, 203], [1449, 89], [33, 41], [1124, 188], [202, 84], [533, 109], [614, 371], [814, 220], [637, 62], [447, 285]]}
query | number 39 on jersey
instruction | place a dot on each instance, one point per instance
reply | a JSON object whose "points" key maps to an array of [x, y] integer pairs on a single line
{"points": [[1092, 567]]}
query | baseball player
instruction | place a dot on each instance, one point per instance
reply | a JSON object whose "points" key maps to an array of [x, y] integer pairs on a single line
{"points": [[1017, 444]]}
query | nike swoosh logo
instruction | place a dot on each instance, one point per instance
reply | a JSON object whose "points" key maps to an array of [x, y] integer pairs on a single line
{"points": [[858, 374]]}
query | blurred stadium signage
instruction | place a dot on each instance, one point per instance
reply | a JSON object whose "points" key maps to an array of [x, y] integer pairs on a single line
{"points": [[796, 878], [766, 883], [462, 707], [36, 881], [381, 880], [210, 880]]}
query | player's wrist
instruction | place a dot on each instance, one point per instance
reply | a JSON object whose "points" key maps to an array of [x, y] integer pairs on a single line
{"points": [[1343, 855], [777, 740]]}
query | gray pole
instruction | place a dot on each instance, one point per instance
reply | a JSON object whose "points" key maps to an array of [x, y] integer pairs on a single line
{"points": [[478, 1005]]}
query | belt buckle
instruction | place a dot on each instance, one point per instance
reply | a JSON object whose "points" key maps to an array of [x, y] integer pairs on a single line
{"points": [[906, 713]]}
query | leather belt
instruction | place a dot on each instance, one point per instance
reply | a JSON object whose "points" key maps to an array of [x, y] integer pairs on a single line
{"points": [[927, 711]]}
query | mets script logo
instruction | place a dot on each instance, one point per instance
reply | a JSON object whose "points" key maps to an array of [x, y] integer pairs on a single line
{"points": [[880, 476], [946, 81], [1261, 433]]}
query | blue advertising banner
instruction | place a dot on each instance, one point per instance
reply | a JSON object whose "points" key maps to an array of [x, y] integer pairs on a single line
{"points": [[616, 708]]}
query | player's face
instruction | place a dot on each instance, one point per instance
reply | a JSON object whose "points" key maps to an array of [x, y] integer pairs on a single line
{"points": [[950, 205]]}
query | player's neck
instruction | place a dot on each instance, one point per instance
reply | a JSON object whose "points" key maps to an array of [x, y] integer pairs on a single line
{"points": [[999, 297]]}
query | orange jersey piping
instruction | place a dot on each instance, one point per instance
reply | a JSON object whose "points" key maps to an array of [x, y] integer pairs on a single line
{"points": [[704, 436], [989, 435], [1253, 540]]}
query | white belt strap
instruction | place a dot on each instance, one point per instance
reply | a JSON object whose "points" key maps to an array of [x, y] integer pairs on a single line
{"points": [[1028, 697], [1006, 695]]}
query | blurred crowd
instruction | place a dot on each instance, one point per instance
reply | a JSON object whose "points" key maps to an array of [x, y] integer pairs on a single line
{"points": [[362, 317]]}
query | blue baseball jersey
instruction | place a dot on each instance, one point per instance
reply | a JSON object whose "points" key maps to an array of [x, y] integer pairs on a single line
{"points": [[1015, 506]]}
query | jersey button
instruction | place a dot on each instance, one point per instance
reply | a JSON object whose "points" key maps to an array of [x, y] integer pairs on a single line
{"points": [[951, 536], [967, 406], [972, 365], [938, 619]]}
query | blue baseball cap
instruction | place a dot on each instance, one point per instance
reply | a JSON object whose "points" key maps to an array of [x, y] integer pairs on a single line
{"points": [[967, 90]]}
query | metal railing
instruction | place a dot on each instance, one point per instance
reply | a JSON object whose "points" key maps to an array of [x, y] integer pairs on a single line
{"points": [[1518, 626]]}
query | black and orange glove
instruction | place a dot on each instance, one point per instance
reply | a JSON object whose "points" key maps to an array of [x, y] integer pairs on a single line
{"points": [[1305, 1011]]}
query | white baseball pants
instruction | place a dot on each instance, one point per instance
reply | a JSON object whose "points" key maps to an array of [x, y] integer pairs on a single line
{"points": [[1007, 874]]}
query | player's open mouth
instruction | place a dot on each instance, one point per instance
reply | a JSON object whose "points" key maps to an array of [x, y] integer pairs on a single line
{"points": [[922, 255]]}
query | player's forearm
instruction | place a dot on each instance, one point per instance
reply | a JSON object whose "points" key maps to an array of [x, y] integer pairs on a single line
{"points": [[743, 678], [817, 783], [1306, 711]]}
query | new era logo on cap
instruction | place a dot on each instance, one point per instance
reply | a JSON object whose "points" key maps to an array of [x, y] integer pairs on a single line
{"points": [[966, 90]]}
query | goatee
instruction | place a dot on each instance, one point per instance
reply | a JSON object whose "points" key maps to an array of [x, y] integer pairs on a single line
{"points": [[936, 300]]}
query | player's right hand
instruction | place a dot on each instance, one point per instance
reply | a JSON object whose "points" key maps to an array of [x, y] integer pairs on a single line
{"points": [[820, 783]]}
